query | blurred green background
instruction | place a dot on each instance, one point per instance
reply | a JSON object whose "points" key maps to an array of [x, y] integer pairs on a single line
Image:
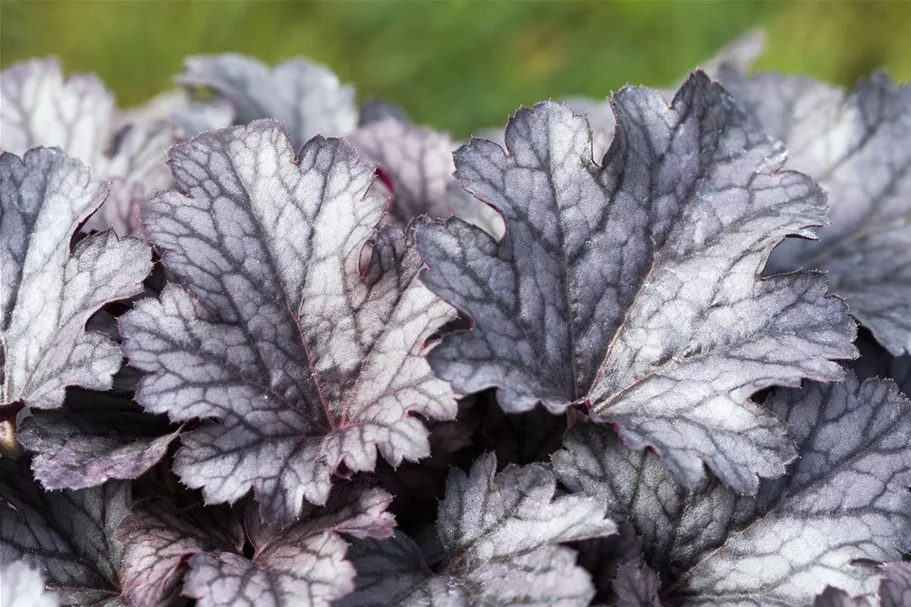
{"points": [[458, 65]]}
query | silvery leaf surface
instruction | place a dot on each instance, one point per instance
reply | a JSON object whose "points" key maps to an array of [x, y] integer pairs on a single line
{"points": [[48, 292], [23, 586], [418, 162], [634, 288], [42, 108], [843, 503], [79, 115], [307, 97], [501, 536], [857, 145], [299, 565], [299, 358], [94, 437], [159, 539], [69, 536]]}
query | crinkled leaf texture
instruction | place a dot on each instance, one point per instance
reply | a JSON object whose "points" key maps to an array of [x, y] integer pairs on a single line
{"points": [[858, 146], [843, 503], [500, 534], [23, 586], [301, 359], [307, 97], [40, 108], [299, 565], [418, 162], [94, 437], [633, 287], [47, 292], [68, 535], [158, 541]]}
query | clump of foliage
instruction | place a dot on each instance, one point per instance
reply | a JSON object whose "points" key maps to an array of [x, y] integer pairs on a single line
{"points": [[608, 356]]}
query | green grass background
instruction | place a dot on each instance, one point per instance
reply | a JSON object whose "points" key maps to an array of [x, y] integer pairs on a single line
{"points": [[457, 65]]}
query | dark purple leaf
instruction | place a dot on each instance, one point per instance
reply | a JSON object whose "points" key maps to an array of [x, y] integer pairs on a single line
{"points": [[94, 437], [68, 536]]}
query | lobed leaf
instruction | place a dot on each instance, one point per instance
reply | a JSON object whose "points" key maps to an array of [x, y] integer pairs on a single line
{"points": [[843, 503], [856, 146], [307, 97], [79, 115], [500, 534], [299, 564], [300, 360], [633, 288], [48, 293]]}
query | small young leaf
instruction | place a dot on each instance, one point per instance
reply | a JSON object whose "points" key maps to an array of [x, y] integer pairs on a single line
{"points": [[47, 293], [24, 587], [301, 361], [844, 502], [419, 163], [158, 540], [300, 564], [307, 97], [634, 288], [500, 534], [857, 146]]}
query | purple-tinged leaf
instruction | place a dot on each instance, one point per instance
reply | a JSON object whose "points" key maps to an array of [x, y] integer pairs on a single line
{"points": [[301, 361], [23, 586], [302, 564], [500, 534], [742, 53], [79, 115], [375, 110], [159, 539], [636, 586], [634, 288], [307, 97], [40, 108], [857, 146], [69, 535], [843, 503], [833, 597], [419, 163], [895, 586], [191, 117], [94, 437], [48, 293]]}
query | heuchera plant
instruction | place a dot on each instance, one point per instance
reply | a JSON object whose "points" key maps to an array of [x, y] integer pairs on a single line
{"points": [[264, 346]]}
